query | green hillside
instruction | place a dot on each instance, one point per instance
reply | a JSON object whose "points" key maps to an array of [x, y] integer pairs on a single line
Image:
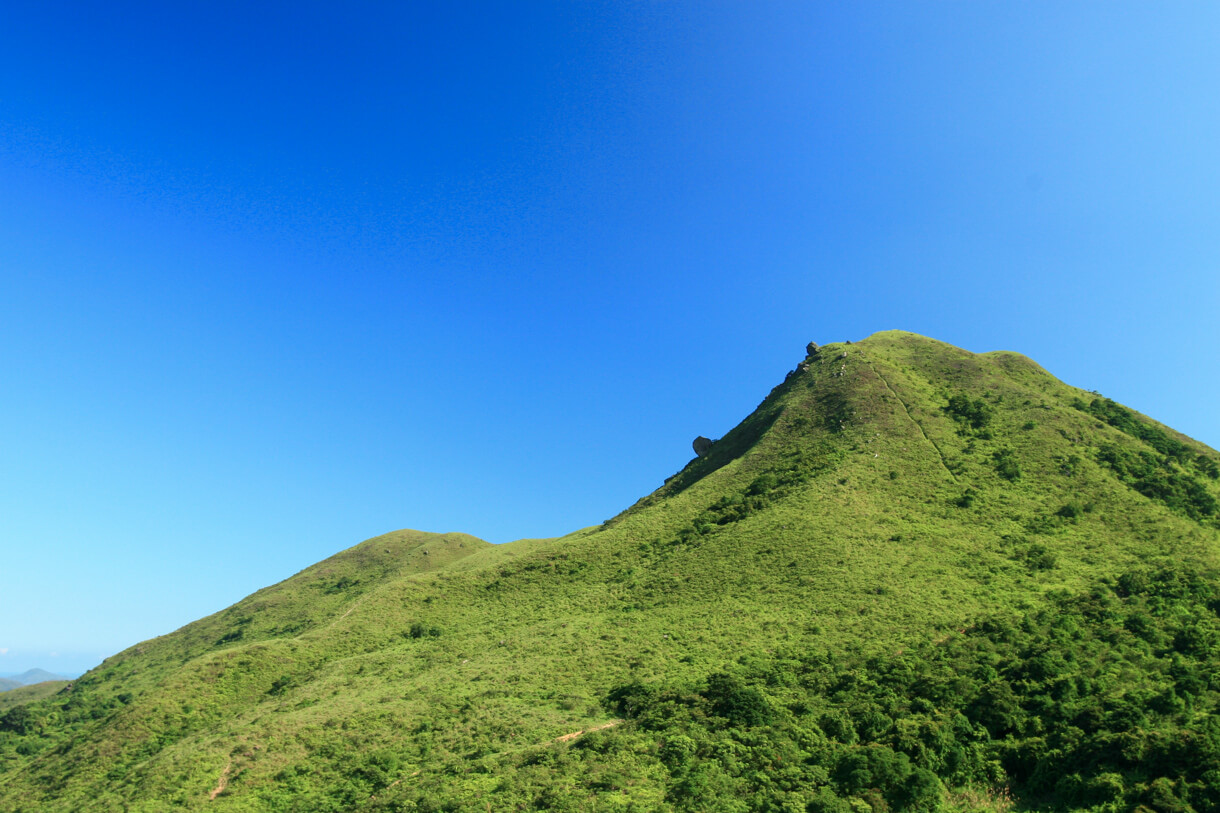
{"points": [[914, 578], [28, 693]]}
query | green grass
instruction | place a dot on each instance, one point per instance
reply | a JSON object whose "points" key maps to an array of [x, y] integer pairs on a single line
{"points": [[874, 503], [28, 694]]}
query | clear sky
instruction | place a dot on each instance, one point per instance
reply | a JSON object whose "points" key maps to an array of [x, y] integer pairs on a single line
{"points": [[275, 278]]}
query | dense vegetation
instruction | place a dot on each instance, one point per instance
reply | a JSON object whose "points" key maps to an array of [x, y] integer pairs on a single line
{"points": [[1103, 700], [914, 578], [1168, 472]]}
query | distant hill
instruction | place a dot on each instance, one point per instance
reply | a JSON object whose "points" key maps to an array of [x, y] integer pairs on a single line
{"points": [[914, 578], [33, 676], [27, 678]]}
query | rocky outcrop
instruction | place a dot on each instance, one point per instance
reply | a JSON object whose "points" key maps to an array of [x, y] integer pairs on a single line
{"points": [[702, 445]]}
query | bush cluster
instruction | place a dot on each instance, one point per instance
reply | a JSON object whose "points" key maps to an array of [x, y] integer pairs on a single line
{"points": [[1160, 479], [1006, 464], [1166, 474], [1129, 423], [974, 413], [762, 492]]}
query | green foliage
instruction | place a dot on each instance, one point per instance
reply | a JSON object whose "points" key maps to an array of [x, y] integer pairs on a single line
{"points": [[18, 720], [1038, 557], [1065, 705], [765, 622], [1169, 475], [762, 491], [341, 584], [1006, 464], [282, 684], [837, 409], [967, 498], [1129, 423], [1160, 479], [974, 413], [28, 694], [739, 704], [1207, 465]]}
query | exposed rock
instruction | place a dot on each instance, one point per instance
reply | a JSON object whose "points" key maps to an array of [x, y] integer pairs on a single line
{"points": [[843, 355], [811, 349], [702, 445]]}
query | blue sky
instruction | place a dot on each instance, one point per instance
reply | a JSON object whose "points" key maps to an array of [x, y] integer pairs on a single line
{"points": [[274, 281]]}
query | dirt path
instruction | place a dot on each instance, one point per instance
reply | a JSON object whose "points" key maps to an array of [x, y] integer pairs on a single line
{"points": [[575, 734], [222, 784], [944, 464]]}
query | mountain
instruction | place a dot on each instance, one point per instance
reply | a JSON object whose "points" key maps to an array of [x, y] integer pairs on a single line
{"points": [[34, 676], [27, 678], [914, 578]]}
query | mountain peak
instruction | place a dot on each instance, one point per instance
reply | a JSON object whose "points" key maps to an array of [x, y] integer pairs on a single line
{"points": [[889, 496]]}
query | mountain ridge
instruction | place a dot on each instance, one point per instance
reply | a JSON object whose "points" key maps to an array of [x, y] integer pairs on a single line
{"points": [[887, 494]]}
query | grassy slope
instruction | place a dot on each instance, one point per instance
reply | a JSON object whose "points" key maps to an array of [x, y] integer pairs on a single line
{"points": [[29, 693], [438, 664]]}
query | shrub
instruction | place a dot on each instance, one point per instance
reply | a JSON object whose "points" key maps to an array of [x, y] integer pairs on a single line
{"points": [[762, 484], [973, 413], [340, 585], [739, 704], [827, 801], [281, 684], [921, 791], [1037, 557], [1128, 423], [1070, 510], [1006, 465], [1159, 479], [18, 720], [1208, 466]]}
